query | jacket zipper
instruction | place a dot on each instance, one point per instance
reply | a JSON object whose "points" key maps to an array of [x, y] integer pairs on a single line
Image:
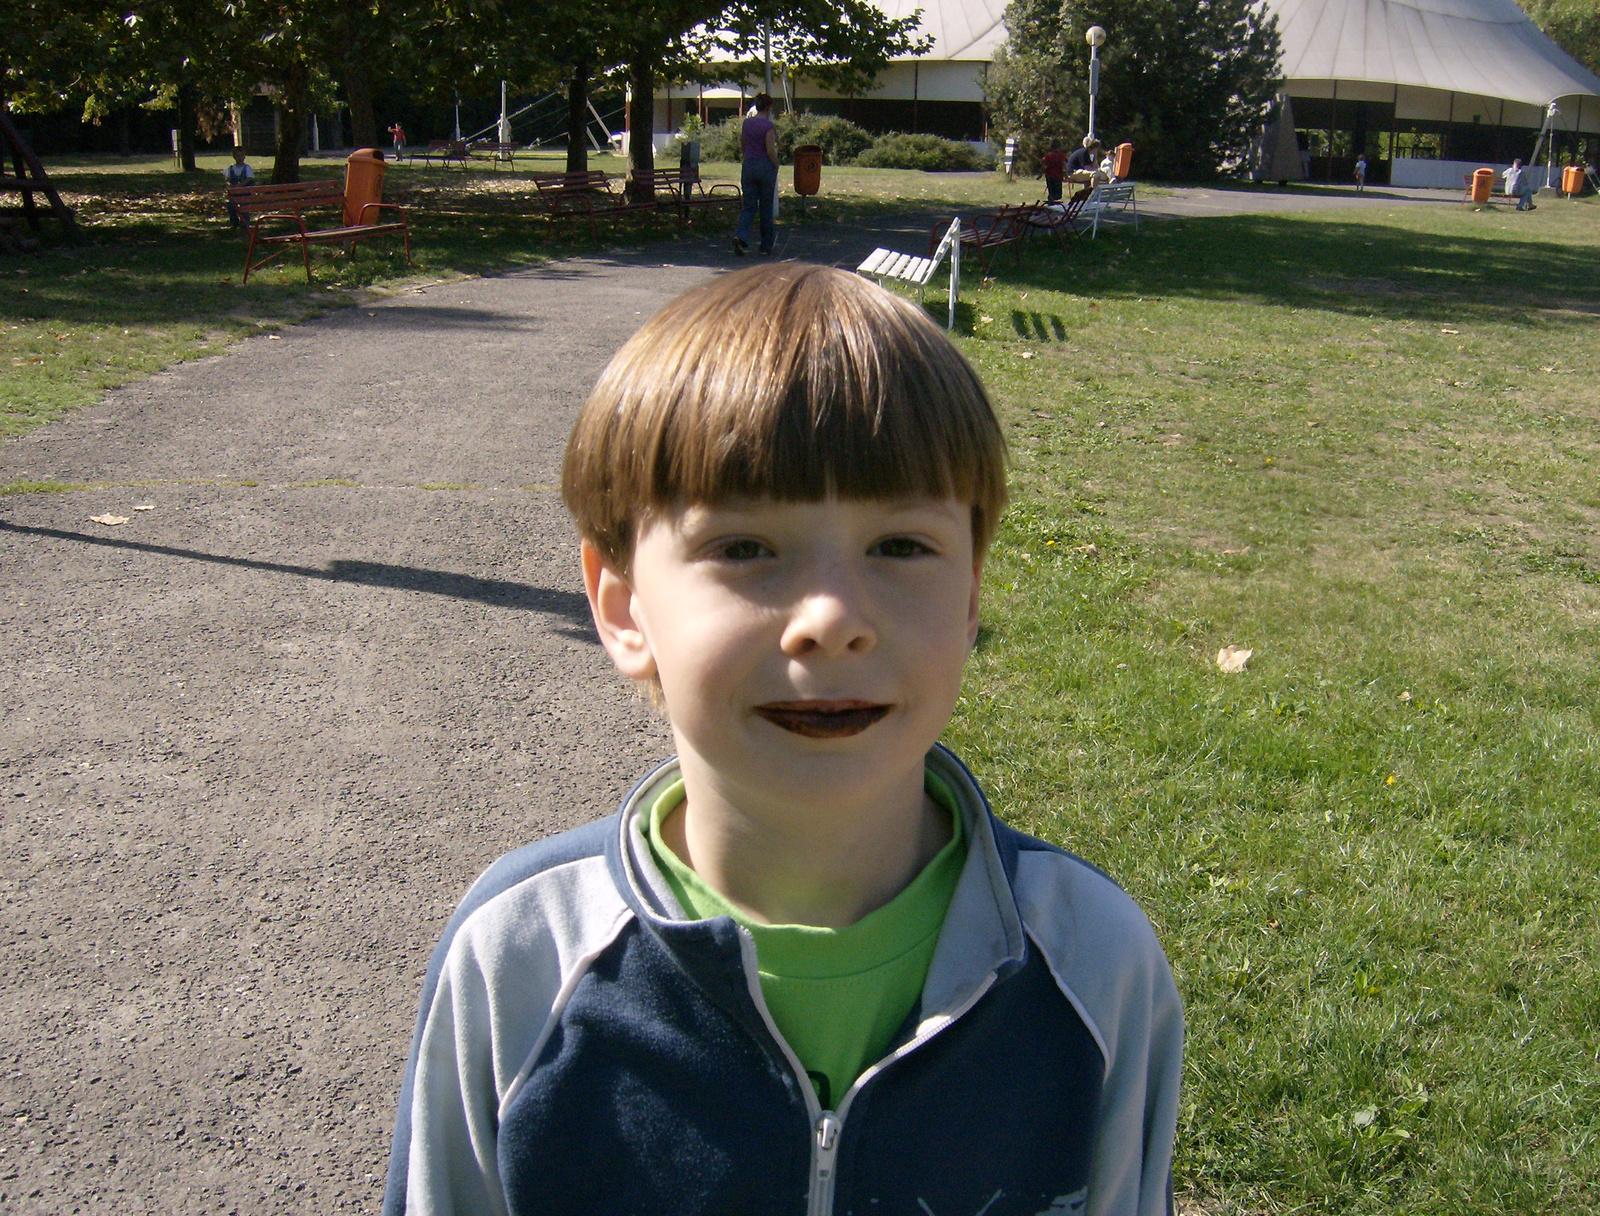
{"points": [[827, 1126]]}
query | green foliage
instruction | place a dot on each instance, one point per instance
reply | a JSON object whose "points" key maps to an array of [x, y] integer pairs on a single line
{"points": [[1573, 24], [720, 142], [1188, 82], [930, 153], [840, 139]]}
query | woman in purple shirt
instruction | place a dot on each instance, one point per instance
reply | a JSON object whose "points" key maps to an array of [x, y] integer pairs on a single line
{"points": [[759, 177]]}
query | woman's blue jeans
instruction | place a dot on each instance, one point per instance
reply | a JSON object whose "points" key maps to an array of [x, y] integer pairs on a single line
{"points": [[759, 181]]}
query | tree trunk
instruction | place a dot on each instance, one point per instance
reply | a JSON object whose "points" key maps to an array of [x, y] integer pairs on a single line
{"points": [[291, 104], [578, 119], [124, 135], [641, 125], [358, 90], [186, 125]]}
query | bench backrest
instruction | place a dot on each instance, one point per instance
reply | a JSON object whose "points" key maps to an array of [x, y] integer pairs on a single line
{"points": [[571, 183], [1121, 192], [287, 196]]}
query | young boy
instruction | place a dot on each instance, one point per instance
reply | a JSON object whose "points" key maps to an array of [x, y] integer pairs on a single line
{"points": [[237, 174], [804, 969], [1054, 164]]}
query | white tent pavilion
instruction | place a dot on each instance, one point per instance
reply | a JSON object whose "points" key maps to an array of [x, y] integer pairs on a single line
{"points": [[1429, 89]]}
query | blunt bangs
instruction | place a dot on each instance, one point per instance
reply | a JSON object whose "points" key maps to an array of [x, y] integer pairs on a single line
{"points": [[789, 381]]}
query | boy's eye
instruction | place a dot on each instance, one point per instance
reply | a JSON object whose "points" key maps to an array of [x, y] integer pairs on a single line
{"points": [[899, 546], [742, 550]]}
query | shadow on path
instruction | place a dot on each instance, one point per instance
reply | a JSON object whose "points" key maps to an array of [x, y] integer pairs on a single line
{"points": [[568, 606]]}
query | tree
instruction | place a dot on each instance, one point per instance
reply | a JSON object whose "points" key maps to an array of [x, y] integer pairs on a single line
{"points": [[1188, 82], [1574, 26]]}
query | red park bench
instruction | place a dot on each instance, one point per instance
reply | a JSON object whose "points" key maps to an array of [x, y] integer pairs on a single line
{"points": [[290, 201]]}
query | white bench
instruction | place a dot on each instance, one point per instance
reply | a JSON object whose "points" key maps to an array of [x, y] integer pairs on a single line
{"points": [[1118, 196], [887, 264]]}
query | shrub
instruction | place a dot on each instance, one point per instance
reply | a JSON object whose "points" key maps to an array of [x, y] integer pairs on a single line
{"points": [[721, 142], [930, 153], [840, 139]]}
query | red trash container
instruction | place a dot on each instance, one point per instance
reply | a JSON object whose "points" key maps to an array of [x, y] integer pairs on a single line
{"points": [[363, 183], [807, 169]]}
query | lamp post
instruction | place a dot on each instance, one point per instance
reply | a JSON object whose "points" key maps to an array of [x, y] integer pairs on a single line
{"points": [[1096, 38]]}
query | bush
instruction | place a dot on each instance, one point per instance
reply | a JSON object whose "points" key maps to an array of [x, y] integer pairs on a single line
{"points": [[840, 139], [930, 153], [721, 142]]}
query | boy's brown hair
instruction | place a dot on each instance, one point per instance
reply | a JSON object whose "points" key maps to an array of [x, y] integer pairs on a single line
{"points": [[789, 381]]}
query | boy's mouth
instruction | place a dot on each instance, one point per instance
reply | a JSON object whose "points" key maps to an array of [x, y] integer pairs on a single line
{"points": [[823, 719]]}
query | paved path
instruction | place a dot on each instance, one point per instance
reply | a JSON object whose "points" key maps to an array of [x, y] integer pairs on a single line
{"points": [[255, 742]]}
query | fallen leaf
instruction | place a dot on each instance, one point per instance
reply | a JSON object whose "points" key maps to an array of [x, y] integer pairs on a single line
{"points": [[1236, 552], [1449, 331], [1170, 440], [1089, 550], [274, 338], [986, 320], [1094, 304], [109, 520], [144, 506], [1027, 354], [1405, 696], [1023, 296], [1232, 660]]}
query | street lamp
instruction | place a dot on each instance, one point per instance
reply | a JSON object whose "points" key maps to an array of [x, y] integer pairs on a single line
{"points": [[1096, 38]]}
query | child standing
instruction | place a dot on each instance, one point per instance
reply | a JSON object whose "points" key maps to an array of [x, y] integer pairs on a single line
{"points": [[1361, 173], [237, 174], [1054, 164], [804, 969]]}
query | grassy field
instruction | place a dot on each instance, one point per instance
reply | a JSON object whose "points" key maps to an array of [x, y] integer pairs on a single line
{"points": [[1361, 444]]}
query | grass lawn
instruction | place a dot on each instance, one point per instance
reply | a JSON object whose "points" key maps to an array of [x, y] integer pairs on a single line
{"points": [[1364, 445], [1361, 443]]}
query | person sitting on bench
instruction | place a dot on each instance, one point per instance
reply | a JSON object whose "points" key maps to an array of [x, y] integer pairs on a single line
{"points": [[1084, 163]]}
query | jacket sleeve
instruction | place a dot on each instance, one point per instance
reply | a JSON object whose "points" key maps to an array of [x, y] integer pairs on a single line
{"points": [[452, 1167], [1106, 958]]}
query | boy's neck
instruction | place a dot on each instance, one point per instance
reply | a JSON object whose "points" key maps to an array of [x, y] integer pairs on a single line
{"points": [[792, 863]]}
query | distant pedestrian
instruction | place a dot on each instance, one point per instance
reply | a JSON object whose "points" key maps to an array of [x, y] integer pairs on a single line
{"points": [[237, 174], [399, 134], [758, 178], [1361, 173], [1055, 171]]}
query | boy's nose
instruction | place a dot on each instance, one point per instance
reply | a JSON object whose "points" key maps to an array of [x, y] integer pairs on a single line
{"points": [[827, 623]]}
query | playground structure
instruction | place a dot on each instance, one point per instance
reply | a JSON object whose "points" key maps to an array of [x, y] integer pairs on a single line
{"points": [[28, 178]]}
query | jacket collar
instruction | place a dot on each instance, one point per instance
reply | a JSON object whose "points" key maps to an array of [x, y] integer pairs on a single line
{"points": [[982, 932]]}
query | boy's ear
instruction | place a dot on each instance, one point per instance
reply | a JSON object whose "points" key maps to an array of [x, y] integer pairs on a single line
{"points": [[611, 603]]}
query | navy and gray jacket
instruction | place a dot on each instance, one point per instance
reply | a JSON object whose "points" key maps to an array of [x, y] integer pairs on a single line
{"points": [[583, 1049]]}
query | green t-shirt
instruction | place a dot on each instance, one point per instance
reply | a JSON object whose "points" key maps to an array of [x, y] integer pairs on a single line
{"points": [[838, 996]]}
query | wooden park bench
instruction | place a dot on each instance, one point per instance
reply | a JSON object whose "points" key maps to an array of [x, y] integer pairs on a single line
{"points": [[570, 196], [495, 153], [682, 189], [444, 151], [985, 233], [888, 265], [1117, 197], [1060, 220], [290, 202]]}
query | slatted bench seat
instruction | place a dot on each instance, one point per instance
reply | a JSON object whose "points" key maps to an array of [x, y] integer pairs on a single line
{"points": [[989, 231], [567, 196], [1116, 197], [290, 201], [893, 266]]}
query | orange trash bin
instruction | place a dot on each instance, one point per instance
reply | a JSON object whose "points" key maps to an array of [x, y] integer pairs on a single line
{"points": [[807, 169], [1122, 166], [1572, 180], [363, 182], [1482, 185]]}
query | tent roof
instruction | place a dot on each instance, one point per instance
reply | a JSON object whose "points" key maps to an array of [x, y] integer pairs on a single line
{"points": [[961, 29], [1485, 47]]}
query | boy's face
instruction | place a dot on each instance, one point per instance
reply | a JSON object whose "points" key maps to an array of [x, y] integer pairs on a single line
{"points": [[806, 651]]}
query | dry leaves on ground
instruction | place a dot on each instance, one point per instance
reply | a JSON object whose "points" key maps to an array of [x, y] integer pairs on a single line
{"points": [[1231, 659], [109, 520]]}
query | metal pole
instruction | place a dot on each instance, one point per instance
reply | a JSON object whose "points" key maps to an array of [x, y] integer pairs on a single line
{"points": [[766, 50], [457, 135], [1094, 84], [955, 268]]}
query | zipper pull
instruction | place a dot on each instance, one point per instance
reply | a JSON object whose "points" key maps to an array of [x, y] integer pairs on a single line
{"points": [[827, 1132]]}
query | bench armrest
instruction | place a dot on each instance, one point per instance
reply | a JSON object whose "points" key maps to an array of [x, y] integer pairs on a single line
{"points": [[365, 207]]}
